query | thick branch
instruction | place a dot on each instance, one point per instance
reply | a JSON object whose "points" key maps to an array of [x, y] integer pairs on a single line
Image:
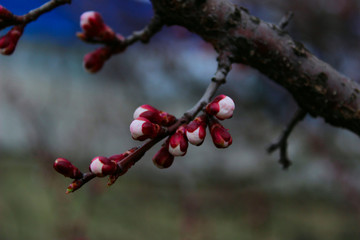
{"points": [[318, 88]]}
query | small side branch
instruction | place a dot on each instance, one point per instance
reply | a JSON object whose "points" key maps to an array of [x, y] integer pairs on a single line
{"points": [[145, 34], [33, 14], [285, 20], [281, 144], [113, 43], [224, 67]]}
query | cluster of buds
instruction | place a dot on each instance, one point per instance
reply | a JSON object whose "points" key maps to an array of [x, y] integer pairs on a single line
{"points": [[151, 123], [222, 107], [95, 30], [9, 41], [148, 122], [100, 166]]}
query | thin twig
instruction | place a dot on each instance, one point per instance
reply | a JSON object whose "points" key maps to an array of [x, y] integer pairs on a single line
{"points": [[33, 14], [224, 67], [285, 20], [282, 142], [145, 34]]}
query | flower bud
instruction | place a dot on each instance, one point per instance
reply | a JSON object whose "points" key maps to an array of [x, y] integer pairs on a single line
{"points": [[94, 27], [222, 107], [123, 166], [178, 143], [9, 41], [196, 130], [166, 119], [66, 168], [102, 166], [94, 61], [148, 112], [163, 159], [154, 115], [141, 129], [220, 135]]}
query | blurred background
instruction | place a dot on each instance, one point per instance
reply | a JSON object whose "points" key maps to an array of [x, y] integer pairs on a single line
{"points": [[50, 107]]}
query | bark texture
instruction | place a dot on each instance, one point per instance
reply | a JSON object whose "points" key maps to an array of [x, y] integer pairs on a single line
{"points": [[317, 87]]}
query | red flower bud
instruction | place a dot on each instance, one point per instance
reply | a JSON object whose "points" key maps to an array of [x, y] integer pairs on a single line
{"points": [[141, 129], [222, 107], [94, 61], [148, 112], [66, 168], [196, 130], [124, 167], [178, 143], [94, 27], [220, 135], [8, 41], [102, 166], [154, 115], [163, 159], [166, 119]]}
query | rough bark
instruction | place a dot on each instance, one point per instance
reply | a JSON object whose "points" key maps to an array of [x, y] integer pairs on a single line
{"points": [[317, 87]]}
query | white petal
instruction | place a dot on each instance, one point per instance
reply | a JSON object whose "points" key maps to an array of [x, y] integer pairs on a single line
{"points": [[84, 18], [176, 151], [96, 166], [226, 108], [194, 137], [136, 128], [139, 111]]}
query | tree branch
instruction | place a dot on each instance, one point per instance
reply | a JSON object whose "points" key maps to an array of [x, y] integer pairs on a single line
{"points": [[317, 88], [282, 142]]}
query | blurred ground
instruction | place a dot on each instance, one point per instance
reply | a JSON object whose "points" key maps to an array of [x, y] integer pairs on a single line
{"points": [[50, 107]]}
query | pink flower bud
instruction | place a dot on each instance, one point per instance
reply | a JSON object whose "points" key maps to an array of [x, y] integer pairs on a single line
{"points": [[102, 166], [166, 119], [141, 129], [220, 136], [148, 112], [154, 115], [196, 130], [66, 168], [8, 41], [178, 143], [94, 61], [94, 27], [222, 107], [163, 159]]}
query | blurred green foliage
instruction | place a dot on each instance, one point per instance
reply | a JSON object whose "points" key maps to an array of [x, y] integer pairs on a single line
{"points": [[33, 206]]}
